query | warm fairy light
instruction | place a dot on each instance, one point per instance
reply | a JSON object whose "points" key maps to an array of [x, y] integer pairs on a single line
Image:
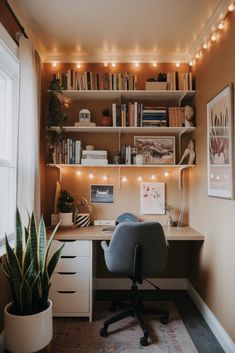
{"points": [[205, 45], [166, 174], [139, 178], [214, 37], [217, 177], [154, 64], [90, 175], [136, 64], [113, 64], [105, 64], [78, 66], [221, 25], [104, 177], [231, 7], [78, 172], [197, 56], [177, 64], [190, 63], [153, 177], [124, 179], [54, 64]]}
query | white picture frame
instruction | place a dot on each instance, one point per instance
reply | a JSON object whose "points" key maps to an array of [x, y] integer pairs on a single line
{"points": [[152, 198]]}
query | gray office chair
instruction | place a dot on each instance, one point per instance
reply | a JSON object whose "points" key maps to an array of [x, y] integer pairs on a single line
{"points": [[136, 250]]}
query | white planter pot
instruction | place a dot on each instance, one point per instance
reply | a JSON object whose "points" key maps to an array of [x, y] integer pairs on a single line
{"points": [[30, 333], [66, 219]]}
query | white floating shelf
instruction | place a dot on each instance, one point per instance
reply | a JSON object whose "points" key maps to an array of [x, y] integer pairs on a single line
{"points": [[137, 130], [179, 166]]}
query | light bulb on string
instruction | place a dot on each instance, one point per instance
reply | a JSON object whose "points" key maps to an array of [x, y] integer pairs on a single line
{"points": [[78, 172], [90, 175], [139, 178]]}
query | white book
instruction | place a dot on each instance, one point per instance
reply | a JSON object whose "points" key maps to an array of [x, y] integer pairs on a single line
{"points": [[94, 152], [114, 114]]}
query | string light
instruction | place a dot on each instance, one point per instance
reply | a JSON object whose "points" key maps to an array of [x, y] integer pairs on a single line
{"points": [[139, 178], [231, 7], [166, 174], [54, 64], [113, 64], [221, 25], [197, 56], [153, 177], [177, 64], [78, 66], [214, 37], [105, 64], [90, 175], [104, 177], [154, 64], [78, 172], [190, 63], [136, 64], [124, 179], [205, 45]]}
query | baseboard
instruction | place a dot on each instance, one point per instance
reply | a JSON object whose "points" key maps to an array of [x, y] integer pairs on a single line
{"points": [[124, 283], [224, 339], [2, 342]]}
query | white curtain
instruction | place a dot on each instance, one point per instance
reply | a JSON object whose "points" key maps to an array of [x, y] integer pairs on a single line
{"points": [[28, 140]]}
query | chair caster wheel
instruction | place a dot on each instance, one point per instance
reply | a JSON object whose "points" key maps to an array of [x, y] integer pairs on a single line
{"points": [[144, 341], [103, 332], [164, 320]]}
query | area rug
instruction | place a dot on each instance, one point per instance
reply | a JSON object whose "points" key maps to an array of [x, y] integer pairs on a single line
{"points": [[77, 335]]}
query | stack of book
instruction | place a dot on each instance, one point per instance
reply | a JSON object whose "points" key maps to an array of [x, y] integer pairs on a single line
{"points": [[127, 114], [176, 116], [154, 116], [67, 152], [75, 80], [94, 157]]}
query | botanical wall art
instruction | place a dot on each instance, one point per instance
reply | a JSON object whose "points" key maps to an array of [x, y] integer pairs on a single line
{"points": [[152, 198], [220, 144]]}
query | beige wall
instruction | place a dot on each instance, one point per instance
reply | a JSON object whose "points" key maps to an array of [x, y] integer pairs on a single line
{"points": [[213, 265]]}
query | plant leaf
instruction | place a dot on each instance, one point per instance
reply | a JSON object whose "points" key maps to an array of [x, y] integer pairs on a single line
{"points": [[15, 270], [19, 238], [49, 244], [41, 243], [33, 242], [54, 260], [25, 298], [26, 257]]}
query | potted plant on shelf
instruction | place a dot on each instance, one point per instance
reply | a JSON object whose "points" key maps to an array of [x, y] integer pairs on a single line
{"points": [[57, 101], [28, 318], [106, 119], [65, 204]]}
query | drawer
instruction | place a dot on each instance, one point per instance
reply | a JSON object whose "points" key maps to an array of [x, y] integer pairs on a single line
{"points": [[70, 282], [72, 248], [73, 264], [77, 302]]}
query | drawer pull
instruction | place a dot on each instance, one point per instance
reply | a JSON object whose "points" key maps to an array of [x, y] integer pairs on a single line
{"points": [[67, 291], [66, 273], [68, 257]]}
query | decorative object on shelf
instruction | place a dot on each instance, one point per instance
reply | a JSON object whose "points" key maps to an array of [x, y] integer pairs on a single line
{"points": [[117, 159], [106, 119], [139, 159], [188, 113], [101, 193], [65, 204], [28, 325], [220, 144], [152, 197], [189, 152], [156, 149], [168, 208], [83, 211], [56, 116], [85, 116]]}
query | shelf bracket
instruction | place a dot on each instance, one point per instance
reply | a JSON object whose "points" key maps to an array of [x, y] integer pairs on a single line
{"points": [[181, 183], [60, 171], [182, 98]]}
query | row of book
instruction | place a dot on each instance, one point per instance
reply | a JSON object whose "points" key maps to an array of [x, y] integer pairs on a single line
{"points": [[179, 81], [137, 115], [67, 151], [75, 80]]}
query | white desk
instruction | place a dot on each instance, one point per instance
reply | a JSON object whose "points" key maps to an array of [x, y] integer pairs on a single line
{"points": [[72, 282]]}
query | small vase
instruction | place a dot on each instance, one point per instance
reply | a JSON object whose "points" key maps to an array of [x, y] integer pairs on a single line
{"points": [[82, 219], [106, 120]]}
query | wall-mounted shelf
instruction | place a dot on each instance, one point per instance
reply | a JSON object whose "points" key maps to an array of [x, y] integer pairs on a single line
{"points": [[171, 97], [179, 166]]}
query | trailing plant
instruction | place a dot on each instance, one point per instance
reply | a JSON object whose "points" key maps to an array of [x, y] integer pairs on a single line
{"points": [[65, 202], [56, 117], [28, 267]]}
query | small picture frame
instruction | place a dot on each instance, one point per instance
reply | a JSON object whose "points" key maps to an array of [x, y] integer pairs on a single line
{"points": [[156, 149], [220, 148], [101, 193]]}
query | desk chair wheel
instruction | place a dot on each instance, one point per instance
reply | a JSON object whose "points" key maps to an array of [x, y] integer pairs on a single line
{"points": [[144, 341], [165, 319], [103, 332]]}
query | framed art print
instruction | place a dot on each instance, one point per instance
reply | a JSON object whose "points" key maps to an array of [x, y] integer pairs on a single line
{"points": [[220, 144], [101, 193], [156, 149], [152, 198]]}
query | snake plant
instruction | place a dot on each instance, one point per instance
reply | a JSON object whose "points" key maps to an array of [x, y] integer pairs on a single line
{"points": [[28, 267]]}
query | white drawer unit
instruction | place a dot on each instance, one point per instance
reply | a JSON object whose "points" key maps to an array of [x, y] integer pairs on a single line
{"points": [[71, 283]]}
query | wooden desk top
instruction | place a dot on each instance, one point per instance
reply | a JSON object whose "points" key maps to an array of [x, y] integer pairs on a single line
{"points": [[97, 233]]}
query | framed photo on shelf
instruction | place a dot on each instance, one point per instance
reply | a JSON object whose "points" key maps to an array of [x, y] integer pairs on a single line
{"points": [[220, 154], [101, 193], [156, 149], [152, 198]]}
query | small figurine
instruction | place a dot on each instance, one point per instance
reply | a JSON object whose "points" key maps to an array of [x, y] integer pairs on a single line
{"points": [[189, 152], [188, 114]]}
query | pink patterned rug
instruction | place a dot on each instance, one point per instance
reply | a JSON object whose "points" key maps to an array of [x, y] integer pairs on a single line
{"points": [[77, 335]]}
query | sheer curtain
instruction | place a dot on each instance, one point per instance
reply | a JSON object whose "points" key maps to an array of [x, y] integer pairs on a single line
{"points": [[28, 189]]}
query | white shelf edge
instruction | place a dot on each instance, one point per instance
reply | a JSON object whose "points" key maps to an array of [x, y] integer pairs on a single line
{"points": [[180, 166]]}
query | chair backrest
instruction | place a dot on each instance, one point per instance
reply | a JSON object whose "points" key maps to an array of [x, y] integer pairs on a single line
{"points": [[121, 251]]}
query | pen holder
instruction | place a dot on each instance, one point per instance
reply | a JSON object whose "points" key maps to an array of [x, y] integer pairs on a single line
{"points": [[82, 219]]}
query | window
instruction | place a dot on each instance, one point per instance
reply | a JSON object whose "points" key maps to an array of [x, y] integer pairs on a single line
{"points": [[8, 139]]}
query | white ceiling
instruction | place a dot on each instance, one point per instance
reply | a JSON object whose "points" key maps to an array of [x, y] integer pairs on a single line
{"points": [[122, 30]]}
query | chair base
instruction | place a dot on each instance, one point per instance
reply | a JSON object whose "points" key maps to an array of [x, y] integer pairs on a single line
{"points": [[136, 312]]}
